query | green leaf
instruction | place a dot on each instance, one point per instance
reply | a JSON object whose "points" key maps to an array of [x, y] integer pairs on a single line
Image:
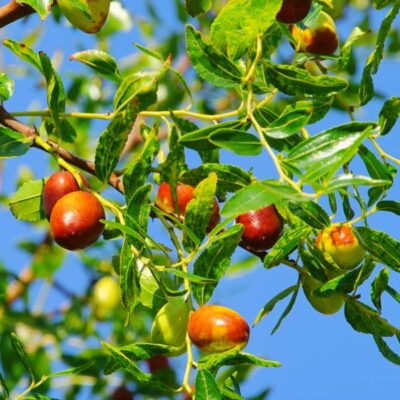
{"points": [[237, 141], [296, 81], [386, 351], [345, 180], [389, 206], [4, 388], [378, 286], [151, 295], [13, 144], [230, 177], [42, 7], [111, 143], [393, 293], [24, 52], [191, 277], [285, 245], [199, 210], [101, 62], [205, 386], [233, 357], [196, 7], [381, 246], [366, 91], [325, 153], [211, 65], [240, 22], [27, 203], [345, 53], [366, 320], [389, 114], [258, 195], [273, 302], [311, 213], [138, 91], [131, 368], [22, 356], [71, 371], [214, 261], [288, 124], [6, 87]]}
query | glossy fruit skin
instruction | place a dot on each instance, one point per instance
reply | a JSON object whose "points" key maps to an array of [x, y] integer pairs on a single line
{"points": [[342, 245], [170, 327], [319, 38], [58, 185], [262, 228], [293, 11], [106, 296], [325, 305], [75, 220], [157, 363], [98, 8], [214, 329], [122, 393], [184, 194]]}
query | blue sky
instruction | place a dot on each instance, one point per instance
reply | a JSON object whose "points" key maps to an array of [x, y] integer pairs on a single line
{"points": [[322, 356]]}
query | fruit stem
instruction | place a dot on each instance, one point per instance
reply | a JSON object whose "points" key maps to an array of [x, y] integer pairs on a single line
{"points": [[189, 364], [382, 153], [363, 216]]}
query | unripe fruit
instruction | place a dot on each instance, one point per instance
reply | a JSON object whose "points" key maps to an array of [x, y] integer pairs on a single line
{"points": [[214, 329], [98, 9], [326, 305], [157, 363], [184, 194], [262, 228], [122, 393], [75, 220], [318, 38], [293, 11], [106, 296], [170, 327], [58, 185], [342, 245]]}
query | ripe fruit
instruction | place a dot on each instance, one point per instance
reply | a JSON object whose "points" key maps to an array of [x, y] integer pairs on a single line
{"points": [[58, 185], [318, 38], [75, 220], [157, 363], [293, 11], [342, 245], [106, 296], [262, 228], [170, 326], [214, 329], [184, 194], [326, 305], [98, 10], [122, 393]]}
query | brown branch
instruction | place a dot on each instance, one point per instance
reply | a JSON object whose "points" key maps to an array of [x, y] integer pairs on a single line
{"points": [[10, 122], [13, 11]]}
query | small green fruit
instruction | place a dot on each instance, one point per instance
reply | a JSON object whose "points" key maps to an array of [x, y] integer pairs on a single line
{"points": [[325, 305], [170, 326], [98, 9], [342, 245], [106, 296]]}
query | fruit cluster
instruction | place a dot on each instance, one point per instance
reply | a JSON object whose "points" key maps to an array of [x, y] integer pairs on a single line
{"points": [[74, 214]]}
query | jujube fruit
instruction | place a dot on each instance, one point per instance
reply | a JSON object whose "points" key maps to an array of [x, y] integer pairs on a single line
{"points": [[122, 393], [170, 326], [326, 305], [184, 194], [320, 37], [214, 329], [98, 9], [262, 228], [293, 11], [75, 220], [58, 185], [106, 296], [157, 363], [342, 245]]}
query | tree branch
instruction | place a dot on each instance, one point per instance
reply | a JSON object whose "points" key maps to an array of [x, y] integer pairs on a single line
{"points": [[13, 11]]}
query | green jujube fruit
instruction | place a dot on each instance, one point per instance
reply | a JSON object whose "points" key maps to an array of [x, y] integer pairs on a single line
{"points": [[170, 326], [98, 10]]}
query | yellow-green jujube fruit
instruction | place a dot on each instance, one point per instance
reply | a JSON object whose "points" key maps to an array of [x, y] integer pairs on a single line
{"points": [[106, 296], [325, 305], [98, 9], [342, 245], [170, 326]]}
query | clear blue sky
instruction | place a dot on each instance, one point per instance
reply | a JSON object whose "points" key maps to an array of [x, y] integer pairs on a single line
{"points": [[322, 357]]}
